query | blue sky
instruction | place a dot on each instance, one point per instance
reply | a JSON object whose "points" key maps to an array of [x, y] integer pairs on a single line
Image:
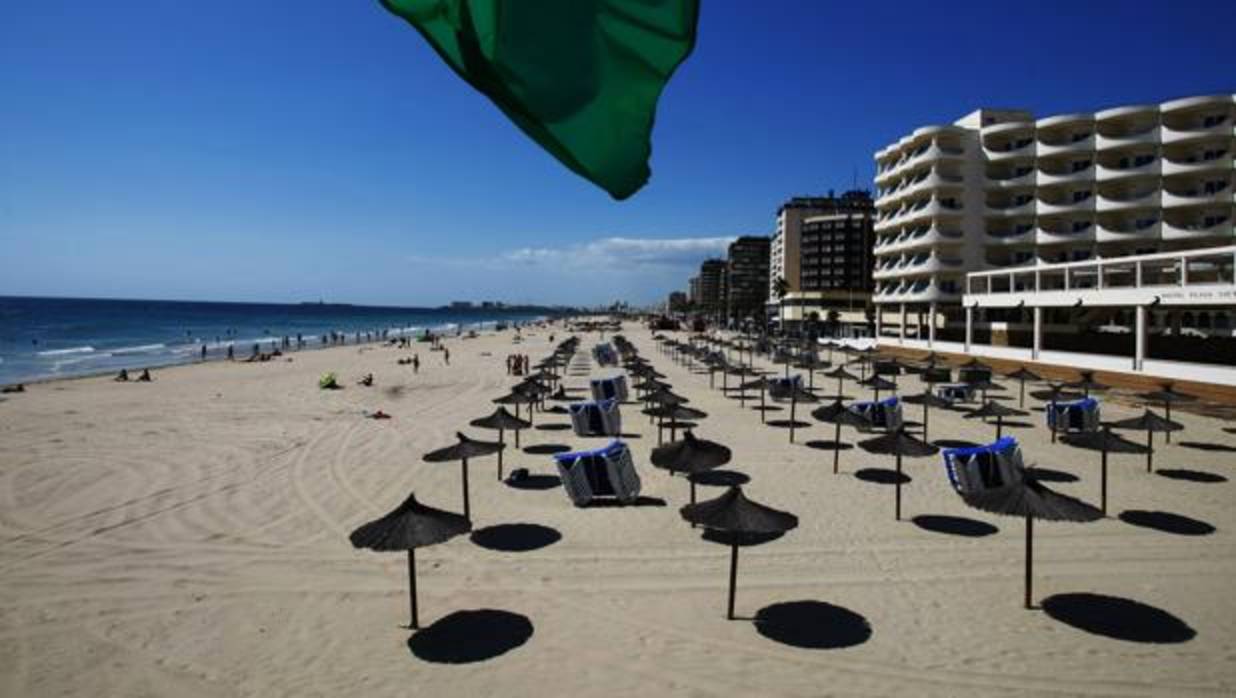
{"points": [[280, 151]]}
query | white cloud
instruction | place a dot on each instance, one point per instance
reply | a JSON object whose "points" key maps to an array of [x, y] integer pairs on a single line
{"points": [[623, 250]]}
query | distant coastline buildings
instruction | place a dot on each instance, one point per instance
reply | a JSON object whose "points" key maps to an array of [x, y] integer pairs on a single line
{"points": [[746, 273]]}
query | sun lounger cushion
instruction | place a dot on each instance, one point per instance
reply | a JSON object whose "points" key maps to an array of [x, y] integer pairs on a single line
{"points": [[1073, 416], [981, 468], [614, 388], [602, 472], [885, 414], [605, 355], [780, 388], [955, 392], [599, 418]]}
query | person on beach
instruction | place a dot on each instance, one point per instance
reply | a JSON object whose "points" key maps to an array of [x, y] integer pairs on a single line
{"points": [[145, 377], [367, 381], [446, 355], [203, 352], [416, 363], [231, 354], [123, 376]]}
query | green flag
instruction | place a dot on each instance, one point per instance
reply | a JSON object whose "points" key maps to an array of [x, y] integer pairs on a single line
{"points": [[581, 77]]}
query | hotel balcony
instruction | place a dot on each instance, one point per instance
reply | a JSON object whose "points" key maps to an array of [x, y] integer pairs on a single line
{"points": [[1126, 126], [1021, 235], [1134, 232], [1045, 236], [1026, 149], [1044, 178], [1012, 181], [1123, 201], [1173, 136], [1083, 145], [1196, 118], [1045, 208], [1196, 164], [1197, 230], [1107, 173], [921, 291], [1197, 196], [1148, 137], [1012, 211], [920, 237]]}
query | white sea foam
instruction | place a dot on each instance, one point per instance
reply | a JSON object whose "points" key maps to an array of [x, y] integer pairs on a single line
{"points": [[143, 349], [62, 352]]}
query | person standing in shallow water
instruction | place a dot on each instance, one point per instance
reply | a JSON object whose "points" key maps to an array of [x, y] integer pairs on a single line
{"points": [[446, 355]]}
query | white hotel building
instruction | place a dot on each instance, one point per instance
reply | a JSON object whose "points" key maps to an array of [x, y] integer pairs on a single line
{"points": [[1057, 200]]}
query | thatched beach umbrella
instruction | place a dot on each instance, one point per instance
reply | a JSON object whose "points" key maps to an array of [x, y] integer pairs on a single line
{"points": [[837, 415], [1021, 375], [877, 383], [690, 455], [842, 376], [1087, 383], [811, 363], [1149, 422], [676, 413], [796, 395], [501, 420], [1168, 395], [517, 398], [1028, 498], [761, 384], [462, 451], [1105, 441], [736, 516], [410, 526], [902, 445], [991, 408], [928, 400]]}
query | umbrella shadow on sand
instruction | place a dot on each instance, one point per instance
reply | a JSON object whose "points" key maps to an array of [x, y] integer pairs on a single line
{"points": [[1204, 446], [812, 625], [516, 538], [640, 501], [1050, 475], [1190, 475], [1117, 618], [470, 636], [953, 525], [1166, 522], [535, 482], [881, 476]]}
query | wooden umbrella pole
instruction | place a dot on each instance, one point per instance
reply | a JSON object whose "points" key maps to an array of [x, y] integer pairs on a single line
{"points": [[793, 404], [500, 435], [898, 512], [999, 427], [1103, 485], [517, 438], [467, 508], [1029, 559], [926, 410], [733, 577], [763, 414], [412, 586], [1149, 451], [1167, 407], [836, 446], [1021, 399]]}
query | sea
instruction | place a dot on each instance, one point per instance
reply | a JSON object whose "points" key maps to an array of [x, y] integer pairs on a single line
{"points": [[42, 338]]}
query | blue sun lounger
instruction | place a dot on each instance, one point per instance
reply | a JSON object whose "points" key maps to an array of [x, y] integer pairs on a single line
{"points": [[614, 388], [599, 418], [955, 392], [981, 468], [885, 414], [601, 472], [1073, 416], [605, 355], [780, 388]]}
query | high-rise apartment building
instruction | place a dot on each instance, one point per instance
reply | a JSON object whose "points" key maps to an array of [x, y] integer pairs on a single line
{"points": [[1000, 189], [822, 250], [747, 277], [712, 286]]}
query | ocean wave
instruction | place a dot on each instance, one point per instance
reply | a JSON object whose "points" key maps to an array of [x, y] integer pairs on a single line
{"points": [[142, 349], [62, 352]]}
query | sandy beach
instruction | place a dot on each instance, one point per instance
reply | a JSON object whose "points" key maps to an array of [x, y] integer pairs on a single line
{"points": [[189, 537]]}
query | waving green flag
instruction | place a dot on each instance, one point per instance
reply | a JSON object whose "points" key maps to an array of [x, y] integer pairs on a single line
{"points": [[581, 77]]}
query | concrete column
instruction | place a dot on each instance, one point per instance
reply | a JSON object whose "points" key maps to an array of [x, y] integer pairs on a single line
{"points": [[969, 326], [904, 319], [931, 325], [1139, 342], [1038, 333]]}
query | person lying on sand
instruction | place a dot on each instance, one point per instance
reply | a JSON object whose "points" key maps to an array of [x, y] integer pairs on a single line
{"points": [[379, 415], [366, 381], [123, 376], [145, 377], [19, 388]]}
